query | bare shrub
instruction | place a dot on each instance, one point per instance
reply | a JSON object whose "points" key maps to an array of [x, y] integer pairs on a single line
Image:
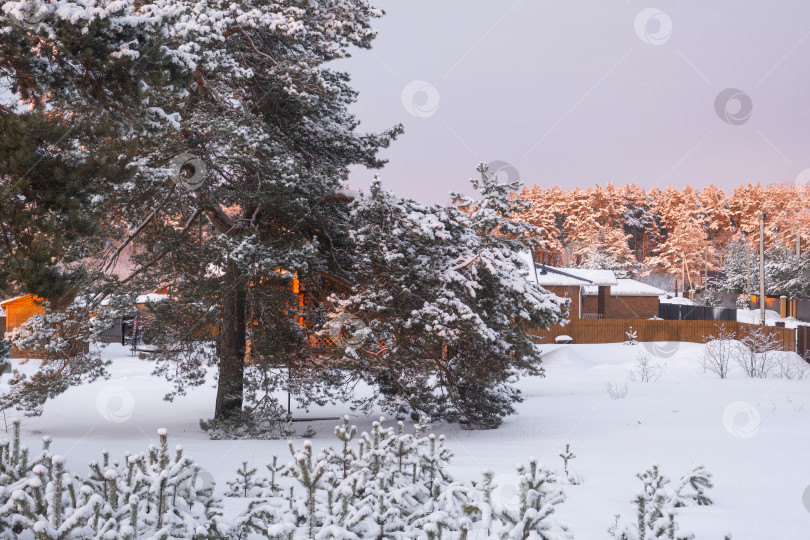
{"points": [[645, 369], [616, 390], [720, 350], [757, 356], [792, 366]]}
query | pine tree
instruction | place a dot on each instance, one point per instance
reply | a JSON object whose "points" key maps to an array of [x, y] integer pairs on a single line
{"points": [[441, 293], [214, 140]]}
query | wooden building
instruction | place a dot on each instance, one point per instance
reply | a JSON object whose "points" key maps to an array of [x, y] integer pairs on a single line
{"points": [[570, 283], [598, 294], [628, 299], [19, 309]]}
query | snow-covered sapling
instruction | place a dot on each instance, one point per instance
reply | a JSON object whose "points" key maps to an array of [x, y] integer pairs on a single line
{"points": [[656, 515], [313, 474], [345, 433], [537, 499], [568, 476], [692, 488], [247, 484], [632, 336]]}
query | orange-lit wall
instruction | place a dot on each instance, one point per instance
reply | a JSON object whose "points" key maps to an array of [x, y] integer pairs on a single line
{"points": [[19, 311]]}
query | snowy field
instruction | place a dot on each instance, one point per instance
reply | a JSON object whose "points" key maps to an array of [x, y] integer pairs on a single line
{"points": [[753, 434]]}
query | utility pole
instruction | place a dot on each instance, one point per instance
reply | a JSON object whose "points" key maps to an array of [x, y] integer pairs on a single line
{"points": [[747, 269], [706, 268], [762, 267]]}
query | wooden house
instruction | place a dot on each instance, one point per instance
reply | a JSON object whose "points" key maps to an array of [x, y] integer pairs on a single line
{"points": [[598, 294], [570, 283], [19, 309], [628, 299]]}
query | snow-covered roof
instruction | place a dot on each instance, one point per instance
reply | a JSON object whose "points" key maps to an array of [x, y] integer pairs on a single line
{"points": [[627, 287], [550, 276], [553, 278], [596, 277], [12, 300], [676, 300]]}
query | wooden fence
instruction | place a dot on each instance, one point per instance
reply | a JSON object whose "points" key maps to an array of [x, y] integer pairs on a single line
{"points": [[614, 331]]}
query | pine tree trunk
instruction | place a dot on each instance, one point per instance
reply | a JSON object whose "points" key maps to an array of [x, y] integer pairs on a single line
{"points": [[643, 245], [232, 345]]}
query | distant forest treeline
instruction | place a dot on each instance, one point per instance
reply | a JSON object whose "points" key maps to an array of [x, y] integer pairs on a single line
{"points": [[677, 232]]}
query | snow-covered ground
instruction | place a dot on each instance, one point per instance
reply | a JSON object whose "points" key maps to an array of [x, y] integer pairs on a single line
{"points": [[754, 435], [752, 316]]}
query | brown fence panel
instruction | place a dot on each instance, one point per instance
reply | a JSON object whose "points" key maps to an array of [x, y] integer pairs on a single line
{"points": [[803, 341], [614, 331]]}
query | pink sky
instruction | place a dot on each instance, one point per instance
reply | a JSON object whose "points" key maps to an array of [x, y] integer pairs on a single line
{"points": [[579, 93]]}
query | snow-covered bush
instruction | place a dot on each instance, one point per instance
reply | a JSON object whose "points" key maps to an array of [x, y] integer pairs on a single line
{"points": [[656, 514], [5, 350]]}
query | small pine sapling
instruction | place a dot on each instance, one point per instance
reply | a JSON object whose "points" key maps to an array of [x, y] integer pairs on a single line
{"points": [[313, 474], [274, 468], [533, 518], [692, 488], [247, 484], [345, 434], [631, 337], [568, 476], [656, 515]]}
